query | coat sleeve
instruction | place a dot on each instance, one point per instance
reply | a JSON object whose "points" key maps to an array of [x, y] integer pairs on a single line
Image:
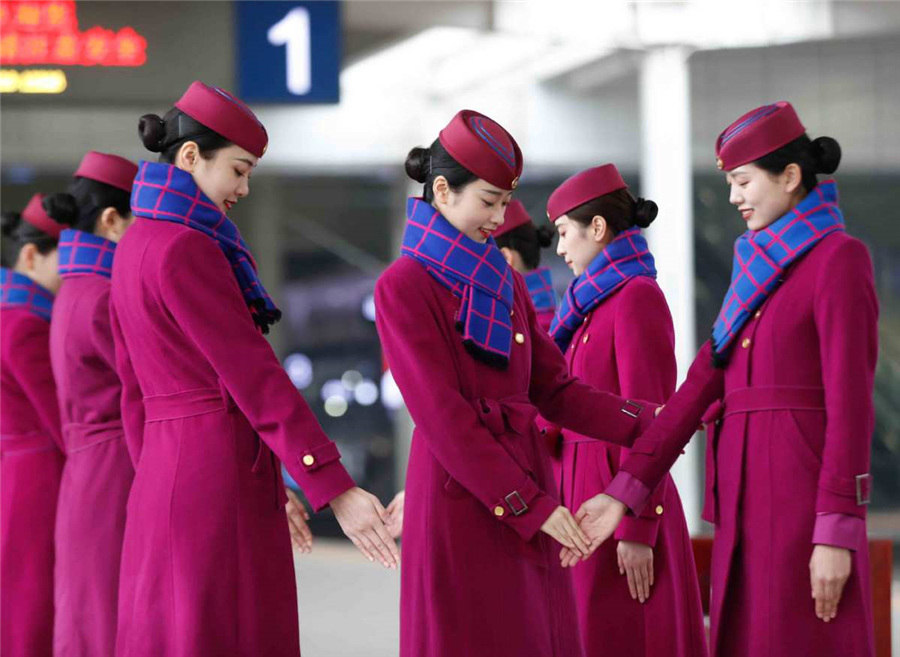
{"points": [[566, 401], [33, 371], [202, 294], [660, 446], [846, 316], [131, 397], [645, 359], [421, 361]]}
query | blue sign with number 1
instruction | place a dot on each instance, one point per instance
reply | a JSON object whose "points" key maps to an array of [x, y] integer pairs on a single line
{"points": [[288, 52]]}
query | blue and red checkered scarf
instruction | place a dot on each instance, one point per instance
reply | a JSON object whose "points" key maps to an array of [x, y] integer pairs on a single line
{"points": [[166, 193], [624, 257], [540, 287], [19, 291], [85, 253], [476, 273], [761, 257]]}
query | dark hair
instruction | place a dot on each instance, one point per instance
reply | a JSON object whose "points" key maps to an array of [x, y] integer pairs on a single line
{"points": [[425, 164], [819, 155], [9, 248], [620, 209], [166, 135], [93, 197], [17, 232], [527, 240]]}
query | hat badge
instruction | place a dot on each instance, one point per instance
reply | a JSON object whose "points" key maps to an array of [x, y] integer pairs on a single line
{"points": [[515, 182], [719, 163]]}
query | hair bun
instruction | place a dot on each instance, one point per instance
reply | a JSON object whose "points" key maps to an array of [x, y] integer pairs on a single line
{"points": [[62, 208], [826, 154], [645, 212], [11, 221], [152, 131], [545, 236], [417, 164]]}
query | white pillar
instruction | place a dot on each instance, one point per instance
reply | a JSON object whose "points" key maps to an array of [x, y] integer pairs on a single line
{"points": [[666, 179]]}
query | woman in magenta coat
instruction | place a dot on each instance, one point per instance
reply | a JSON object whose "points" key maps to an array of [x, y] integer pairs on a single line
{"points": [[31, 448], [90, 517], [786, 385], [520, 242], [481, 573], [639, 594], [207, 408]]}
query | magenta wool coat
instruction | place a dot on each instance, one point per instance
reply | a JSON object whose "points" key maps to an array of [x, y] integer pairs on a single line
{"points": [[31, 461], [90, 518], [627, 345], [788, 452], [478, 577], [207, 567]]}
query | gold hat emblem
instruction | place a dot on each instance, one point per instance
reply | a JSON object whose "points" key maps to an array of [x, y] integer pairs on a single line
{"points": [[720, 163], [515, 182]]}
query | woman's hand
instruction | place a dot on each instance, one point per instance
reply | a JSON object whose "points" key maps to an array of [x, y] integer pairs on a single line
{"points": [[636, 563], [362, 518], [829, 569], [297, 515], [598, 517], [562, 527], [394, 523]]}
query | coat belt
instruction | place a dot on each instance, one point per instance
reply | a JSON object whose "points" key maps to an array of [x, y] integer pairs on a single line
{"points": [[186, 403], [514, 414], [750, 400], [78, 436]]}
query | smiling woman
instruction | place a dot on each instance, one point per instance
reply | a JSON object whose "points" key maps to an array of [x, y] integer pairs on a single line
{"points": [[208, 410], [463, 343]]}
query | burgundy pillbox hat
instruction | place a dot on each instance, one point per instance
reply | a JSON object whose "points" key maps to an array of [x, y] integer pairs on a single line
{"points": [[756, 134], [35, 214], [218, 110], [516, 215], [482, 146], [583, 187], [109, 169]]}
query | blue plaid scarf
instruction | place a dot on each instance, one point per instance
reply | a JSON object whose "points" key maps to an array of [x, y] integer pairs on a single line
{"points": [[166, 193], [761, 257], [476, 273], [623, 258], [85, 253], [19, 291], [540, 287]]}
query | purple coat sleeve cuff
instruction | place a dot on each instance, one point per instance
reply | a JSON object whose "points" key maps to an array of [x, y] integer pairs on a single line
{"points": [[638, 530], [629, 490], [840, 530]]}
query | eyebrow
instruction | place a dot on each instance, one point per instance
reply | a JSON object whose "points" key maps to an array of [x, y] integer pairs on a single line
{"points": [[491, 191], [244, 159]]}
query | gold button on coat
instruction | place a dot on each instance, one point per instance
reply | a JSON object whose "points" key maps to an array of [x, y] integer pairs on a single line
{"points": [[520, 339], [309, 459], [758, 314], [498, 511], [745, 343], [585, 338], [658, 509]]}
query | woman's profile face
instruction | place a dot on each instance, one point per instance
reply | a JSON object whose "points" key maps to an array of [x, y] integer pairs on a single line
{"points": [[476, 210], [578, 244], [224, 178], [761, 197]]}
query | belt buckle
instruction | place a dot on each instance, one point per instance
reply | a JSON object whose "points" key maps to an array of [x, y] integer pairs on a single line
{"points": [[863, 489], [631, 408], [523, 507]]}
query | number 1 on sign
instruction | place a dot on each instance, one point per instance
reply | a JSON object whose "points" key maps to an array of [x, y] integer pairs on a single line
{"points": [[293, 31]]}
